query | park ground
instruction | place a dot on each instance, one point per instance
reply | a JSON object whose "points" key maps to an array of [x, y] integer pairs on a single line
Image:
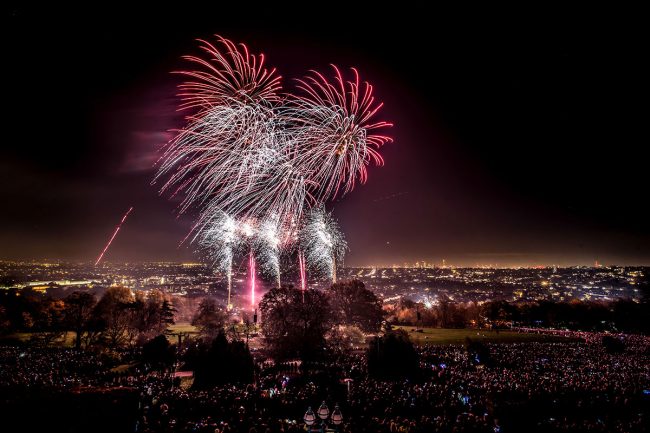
{"points": [[425, 336], [432, 336]]}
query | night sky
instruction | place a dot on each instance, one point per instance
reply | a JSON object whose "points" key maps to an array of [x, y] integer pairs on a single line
{"points": [[520, 136]]}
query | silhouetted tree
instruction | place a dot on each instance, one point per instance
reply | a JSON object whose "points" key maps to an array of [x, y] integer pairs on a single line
{"points": [[5, 323], [293, 327], [353, 304], [497, 313], [209, 319], [49, 322], [113, 312], [158, 352], [78, 313], [167, 312], [220, 362]]}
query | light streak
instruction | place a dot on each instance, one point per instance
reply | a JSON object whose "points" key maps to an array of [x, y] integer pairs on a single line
{"points": [[303, 274], [110, 241]]}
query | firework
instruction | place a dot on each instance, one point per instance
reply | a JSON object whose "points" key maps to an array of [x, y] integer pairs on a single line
{"points": [[322, 242], [228, 73], [222, 239], [110, 241], [269, 247], [233, 155], [252, 159], [334, 132]]}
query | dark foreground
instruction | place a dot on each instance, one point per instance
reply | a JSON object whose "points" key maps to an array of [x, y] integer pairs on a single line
{"points": [[532, 387]]}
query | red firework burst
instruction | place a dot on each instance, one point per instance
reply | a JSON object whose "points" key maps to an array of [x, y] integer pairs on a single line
{"points": [[228, 72]]}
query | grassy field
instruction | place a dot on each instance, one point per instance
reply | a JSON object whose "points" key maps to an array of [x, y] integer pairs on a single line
{"points": [[426, 337], [457, 336], [182, 327], [66, 341]]}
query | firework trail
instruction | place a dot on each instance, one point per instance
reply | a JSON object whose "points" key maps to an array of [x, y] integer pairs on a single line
{"points": [[251, 268], [303, 274], [322, 242], [110, 241], [221, 239]]}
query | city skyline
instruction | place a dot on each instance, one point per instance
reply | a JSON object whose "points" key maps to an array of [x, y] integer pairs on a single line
{"points": [[496, 158]]}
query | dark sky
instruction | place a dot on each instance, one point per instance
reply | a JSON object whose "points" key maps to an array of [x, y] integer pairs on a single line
{"points": [[520, 135]]}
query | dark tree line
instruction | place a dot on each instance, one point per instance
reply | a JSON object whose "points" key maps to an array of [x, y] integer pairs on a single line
{"points": [[620, 316], [118, 318], [220, 361]]}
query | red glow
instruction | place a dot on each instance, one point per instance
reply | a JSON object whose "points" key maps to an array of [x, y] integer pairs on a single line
{"points": [[303, 276], [251, 268]]}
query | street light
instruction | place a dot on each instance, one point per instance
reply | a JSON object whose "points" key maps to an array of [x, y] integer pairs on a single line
{"points": [[348, 381]]}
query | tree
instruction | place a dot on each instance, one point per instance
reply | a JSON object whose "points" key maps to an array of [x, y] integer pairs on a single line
{"points": [[78, 313], [48, 321], [498, 313], [219, 362], [341, 340], [209, 319], [113, 311], [443, 310], [20, 308], [293, 327], [154, 313], [158, 352], [353, 304], [166, 315], [392, 356], [242, 329]]}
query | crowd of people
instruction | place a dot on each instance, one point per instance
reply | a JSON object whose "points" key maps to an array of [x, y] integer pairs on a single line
{"points": [[572, 386], [42, 368], [529, 386], [636, 342]]}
